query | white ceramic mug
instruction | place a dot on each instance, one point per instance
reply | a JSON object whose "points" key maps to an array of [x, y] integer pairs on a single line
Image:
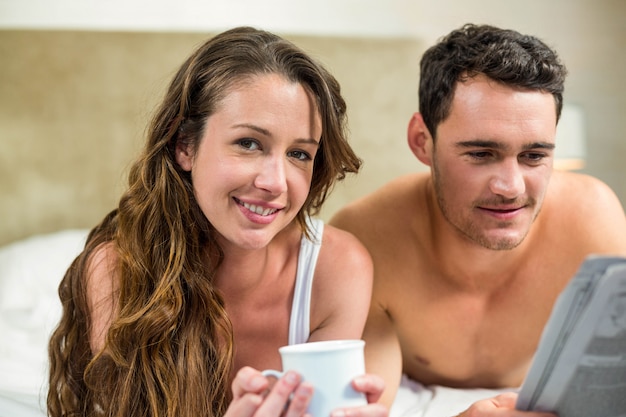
{"points": [[330, 366]]}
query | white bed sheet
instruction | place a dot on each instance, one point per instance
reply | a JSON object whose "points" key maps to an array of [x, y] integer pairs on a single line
{"points": [[416, 400], [30, 272]]}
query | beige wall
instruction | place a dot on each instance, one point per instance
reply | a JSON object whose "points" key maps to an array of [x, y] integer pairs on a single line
{"points": [[73, 105]]}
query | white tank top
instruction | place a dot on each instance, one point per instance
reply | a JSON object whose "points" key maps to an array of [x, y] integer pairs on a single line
{"points": [[299, 323]]}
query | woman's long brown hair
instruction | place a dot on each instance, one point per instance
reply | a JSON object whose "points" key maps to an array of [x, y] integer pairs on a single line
{"points": [[169, 348]]}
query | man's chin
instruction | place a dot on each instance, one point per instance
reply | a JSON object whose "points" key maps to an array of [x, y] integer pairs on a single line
{"points": [[502, 242]]}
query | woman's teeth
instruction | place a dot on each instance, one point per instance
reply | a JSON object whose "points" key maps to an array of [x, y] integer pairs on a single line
{"points": [[258, 209]]}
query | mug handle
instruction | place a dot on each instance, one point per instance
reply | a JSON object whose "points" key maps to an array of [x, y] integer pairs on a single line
{"points": [[272, 372]]}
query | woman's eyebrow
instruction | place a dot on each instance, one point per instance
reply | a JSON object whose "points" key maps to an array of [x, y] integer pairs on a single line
{"points": [[266, 132], [309, 141], [253, 127]]}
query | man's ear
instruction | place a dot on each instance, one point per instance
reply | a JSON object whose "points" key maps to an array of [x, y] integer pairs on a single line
{"points": [[184, 156], [419, 139]]}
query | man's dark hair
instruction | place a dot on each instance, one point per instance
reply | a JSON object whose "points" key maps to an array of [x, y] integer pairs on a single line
{"points": [[506, 56]]}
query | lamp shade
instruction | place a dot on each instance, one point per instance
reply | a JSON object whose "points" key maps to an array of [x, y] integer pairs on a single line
{"points": [[570, 151]]}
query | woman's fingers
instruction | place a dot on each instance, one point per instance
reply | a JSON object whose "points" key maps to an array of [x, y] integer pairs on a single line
{"points": [[248, 380], [244, 406], [287, 395], [371, 385], [300, 400]]}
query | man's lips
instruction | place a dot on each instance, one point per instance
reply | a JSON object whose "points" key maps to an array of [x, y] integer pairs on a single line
{"points": [[502, 210], [503, 213]]}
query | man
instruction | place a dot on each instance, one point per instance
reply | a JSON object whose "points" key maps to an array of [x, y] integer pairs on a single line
{"points": [[470, 257]]}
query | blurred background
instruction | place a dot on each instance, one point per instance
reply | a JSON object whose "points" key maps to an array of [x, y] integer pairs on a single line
{"points": [[79, 80]]}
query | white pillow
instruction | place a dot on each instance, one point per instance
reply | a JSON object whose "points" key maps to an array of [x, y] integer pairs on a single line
{"points": [[30, 273]]}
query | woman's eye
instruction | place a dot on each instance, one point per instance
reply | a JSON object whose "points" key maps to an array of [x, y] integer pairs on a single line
{"points": [[300, 155], [249, 144]]}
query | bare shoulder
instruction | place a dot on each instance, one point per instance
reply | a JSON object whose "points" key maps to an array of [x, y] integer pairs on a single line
{"points": [[342, 252], [389, 222], [101, 286], [580, 185], [384, 208], [589, 210], [342, 287], [587, 194], [101, 271]]}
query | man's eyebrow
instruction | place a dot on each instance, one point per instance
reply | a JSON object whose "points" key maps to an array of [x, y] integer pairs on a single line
{"points": [[540, 145], [492, 144], [480, 143], [266, 132]]}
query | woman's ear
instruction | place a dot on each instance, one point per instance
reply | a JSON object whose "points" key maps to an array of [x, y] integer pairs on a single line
{"points": [[419, 139], [184, 156]]}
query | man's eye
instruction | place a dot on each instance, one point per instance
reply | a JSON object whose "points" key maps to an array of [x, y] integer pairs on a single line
{"points": [[479, 154], [300, 155], [535, 156]]}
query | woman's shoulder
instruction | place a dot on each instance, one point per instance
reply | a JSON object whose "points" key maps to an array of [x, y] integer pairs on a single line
{"points": [[101, 285], [342, 253], [102, 260], [343, 243], [344, 272]]}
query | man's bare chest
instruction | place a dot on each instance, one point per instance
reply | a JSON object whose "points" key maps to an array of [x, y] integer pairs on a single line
{"points": [[464, 338]]}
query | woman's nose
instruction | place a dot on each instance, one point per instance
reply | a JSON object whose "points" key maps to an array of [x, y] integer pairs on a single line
{"points": [[272, 175]]}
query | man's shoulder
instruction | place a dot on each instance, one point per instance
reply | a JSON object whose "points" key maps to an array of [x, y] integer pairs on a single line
{"points": [[588, 210], [578, 188], [393, 195], [382, 205]]}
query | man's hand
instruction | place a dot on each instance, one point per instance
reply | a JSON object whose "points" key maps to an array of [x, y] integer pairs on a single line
{"points": [[502, 405]]}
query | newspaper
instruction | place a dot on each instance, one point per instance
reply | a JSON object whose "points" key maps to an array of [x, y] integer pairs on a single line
{"points": [[579, 369]]}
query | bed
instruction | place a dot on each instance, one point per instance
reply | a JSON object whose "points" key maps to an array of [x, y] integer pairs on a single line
{"points": [[30, 271]]}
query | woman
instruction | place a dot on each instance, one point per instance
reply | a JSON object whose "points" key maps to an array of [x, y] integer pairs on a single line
{"points": [[212, 259]]}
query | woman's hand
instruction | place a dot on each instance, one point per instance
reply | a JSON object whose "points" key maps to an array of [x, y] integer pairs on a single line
{"points": [[372, 386], [502, 405], [288, 397]]}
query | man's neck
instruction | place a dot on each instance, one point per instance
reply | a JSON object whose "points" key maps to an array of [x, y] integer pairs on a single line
{"points": [[467, 264]]}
